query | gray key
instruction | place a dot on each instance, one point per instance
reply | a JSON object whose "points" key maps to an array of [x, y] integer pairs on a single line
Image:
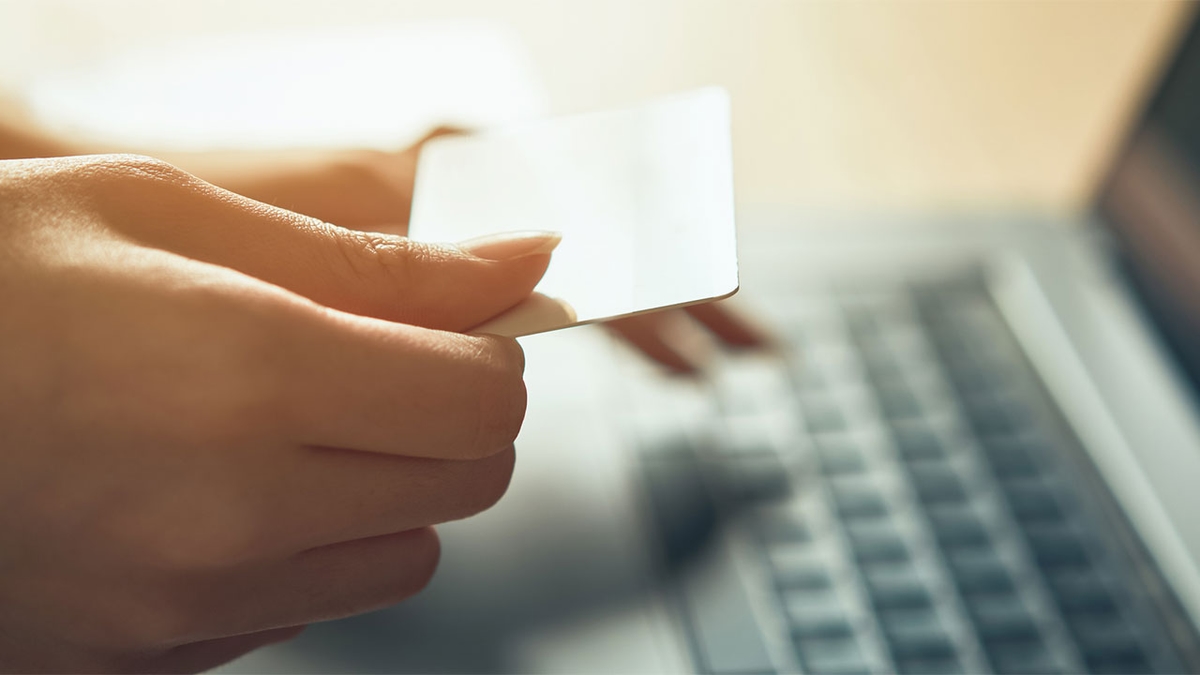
{"points": [[979, 570], [1057, 545], [937, 483], [718, 608], [1013, 457], [945, 665], [876, 540], [1081, 590], [915, 441], [1001, 617], [898, 401], [840, 455], [841, 656], [896, 586], [1022, 657], [816, 613], [761, 477], [916, 634], [1104, 636], [1034, 499], [858, 499], [821, 414], [803, 577], [957, 526], [778, 526]]}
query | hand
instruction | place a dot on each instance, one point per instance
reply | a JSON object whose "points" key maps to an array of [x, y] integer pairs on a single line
{"points": [[361, 189], [681, 340], [215, 424]]}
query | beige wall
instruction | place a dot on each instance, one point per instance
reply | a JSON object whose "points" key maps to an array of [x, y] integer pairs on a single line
{"points": [[835, 103]]}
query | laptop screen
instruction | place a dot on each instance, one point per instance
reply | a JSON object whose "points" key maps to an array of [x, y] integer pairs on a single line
{"points": [[1151, 202]]}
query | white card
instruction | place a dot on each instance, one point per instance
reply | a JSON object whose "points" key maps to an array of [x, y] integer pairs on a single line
{"points": [[643, 197]]}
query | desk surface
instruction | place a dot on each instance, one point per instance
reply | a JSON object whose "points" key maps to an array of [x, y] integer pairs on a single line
{"points": [[922, 104]]}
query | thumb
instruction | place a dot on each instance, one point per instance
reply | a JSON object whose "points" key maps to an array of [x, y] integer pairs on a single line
{"points": [[447, 287], [442, 286]]}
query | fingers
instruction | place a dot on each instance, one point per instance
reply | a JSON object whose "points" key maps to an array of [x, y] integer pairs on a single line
{"points": [[730, 327], [658, 337], [672, 340], [202, 656], [370, 274], [362, 384], [393, 278], [309, 497], [320, 584]]}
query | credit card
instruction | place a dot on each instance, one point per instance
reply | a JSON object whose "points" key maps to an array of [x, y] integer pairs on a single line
{"points": [[643, 197]]}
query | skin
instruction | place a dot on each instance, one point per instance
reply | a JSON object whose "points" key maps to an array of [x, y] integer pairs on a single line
{"points": [[371, 190], [222, 420], [208, 444]]}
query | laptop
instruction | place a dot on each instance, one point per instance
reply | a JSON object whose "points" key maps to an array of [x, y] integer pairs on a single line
{"points": [[977, 450]]}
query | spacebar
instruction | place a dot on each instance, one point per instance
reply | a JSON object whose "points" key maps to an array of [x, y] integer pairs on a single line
{"points": [[727, 636]]}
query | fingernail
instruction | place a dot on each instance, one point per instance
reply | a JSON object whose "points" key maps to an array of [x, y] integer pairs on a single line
{"points": [[510, 245]]}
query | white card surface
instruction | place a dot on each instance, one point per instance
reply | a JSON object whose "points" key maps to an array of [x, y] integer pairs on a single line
{"points": [[643, 197]]}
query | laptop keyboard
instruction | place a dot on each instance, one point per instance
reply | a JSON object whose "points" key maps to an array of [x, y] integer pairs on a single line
{"points": [[895, 495]]}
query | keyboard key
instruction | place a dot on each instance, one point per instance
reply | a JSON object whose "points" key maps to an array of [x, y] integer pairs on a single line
{"points": [[876, 541], [968, 376], [979, 570], [1012, 457], [916, 441], [1132, 664], [840, 454], [822, 414], [896, 586], [1081, 590], [776, 525], [816, 613], [1033, 500], [916, 634], [1104, 636], [1022, 657], [719, 612], [858, 499], [898, 401], [761, 477], [1001, 617], [956, 526], [832, 656], [883, 368], [1056, 545], [807, 577], [997, 415], [946, 665], [937, 483]]}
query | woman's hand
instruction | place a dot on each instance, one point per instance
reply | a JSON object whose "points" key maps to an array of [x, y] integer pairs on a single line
{"points": [[220, 420], [362, 189], [373, 190]]}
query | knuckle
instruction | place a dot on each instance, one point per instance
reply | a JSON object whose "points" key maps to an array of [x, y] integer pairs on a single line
{"points": [[154, 184], [139, 169], [372, 257], [501, 396]]}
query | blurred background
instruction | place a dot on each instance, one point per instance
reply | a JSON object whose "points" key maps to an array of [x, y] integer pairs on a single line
{"points": [[870, 104], [849, 107]]}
